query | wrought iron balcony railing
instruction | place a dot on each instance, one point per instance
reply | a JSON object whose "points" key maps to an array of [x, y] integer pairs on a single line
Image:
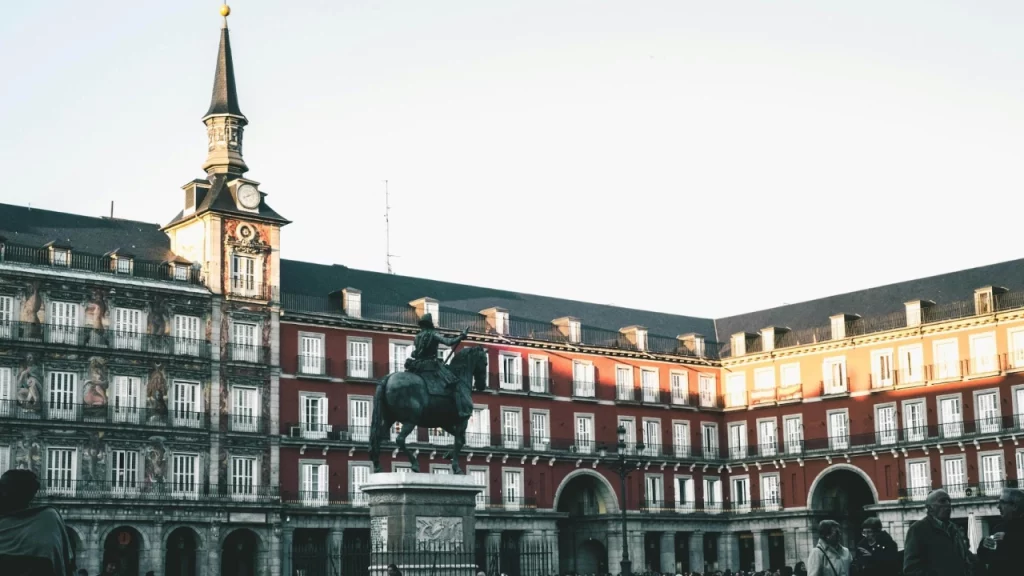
{"points": [[134, 488], [91, 338], [114, 266], [27, 409]]}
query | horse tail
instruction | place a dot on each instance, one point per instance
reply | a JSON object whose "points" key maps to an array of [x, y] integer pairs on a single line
{"points": [[377, 419]]}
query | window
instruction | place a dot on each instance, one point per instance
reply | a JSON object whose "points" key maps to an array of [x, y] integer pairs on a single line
{"points": [[510, 372], [63, 323], [983, 354], [991, 466], [681, 439], [764, 379], [358, 474], [540, 430], [712, 494], [652, 437], [767, 437], [512, 487], [741, 494], [654, 492], [359, 414], [685, 498], [439, 437], [478, 429], [771, 492], [582, 379], [709, 439], [511, 428], [244, 479], [127, 399], [187, 408], [1020, 463], [954, 476], [185, 476], [314, 483], [914, 422], [399, 353], [736, 389], [794, 429], [244, 343], [359, 358], [951, 416], [911, 364], [479, 476], [1018, 409], [353, 303], [628, 423], [5, 459], [60, 257], [122, 265], [650, 385], [574, 331], [181, 272], [947, 360], [881, 368], [680, 388], [313, 416], [708, 390], [6, 316], [311, 354], [623, 382], [245, 409], [186, 335], [124, 471], [790, 375], [885, 424], [838, 430], [243, 275], [918, 479], [1016, 338], [127, 329], [5, 391], [61, 405], [61, 471], [738, 441], [987, 405], [584, 433], [539, 374], [833, 372]]}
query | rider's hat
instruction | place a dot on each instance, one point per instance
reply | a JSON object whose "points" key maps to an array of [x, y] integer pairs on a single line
{"points": [[426, 321]]}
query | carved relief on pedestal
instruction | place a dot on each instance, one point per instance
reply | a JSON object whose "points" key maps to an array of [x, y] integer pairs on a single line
{"points": [[437, 531]]}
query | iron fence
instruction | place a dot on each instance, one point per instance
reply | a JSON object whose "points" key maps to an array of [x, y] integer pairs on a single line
{"points": [[112, 265]]}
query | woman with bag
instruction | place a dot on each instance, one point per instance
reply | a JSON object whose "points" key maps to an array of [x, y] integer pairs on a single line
{"points": [[829, 557]]}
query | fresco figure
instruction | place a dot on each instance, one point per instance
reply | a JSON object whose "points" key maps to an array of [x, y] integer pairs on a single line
{"points": [[156, 394], [31, 312], [96, 320], [94, 394], [30, 384]]}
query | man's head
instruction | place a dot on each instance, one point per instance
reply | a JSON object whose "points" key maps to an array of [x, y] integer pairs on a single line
{"points": [[17, 489], [1011, 503], [938, 505], [393, 570], [828, 530], [426, 321], [870, 528]]}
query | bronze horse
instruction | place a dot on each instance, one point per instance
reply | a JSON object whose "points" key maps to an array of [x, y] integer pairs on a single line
{"points": [[403, 397]]}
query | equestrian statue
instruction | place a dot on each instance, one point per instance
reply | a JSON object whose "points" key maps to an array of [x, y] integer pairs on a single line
{"points": [[429, 393]]}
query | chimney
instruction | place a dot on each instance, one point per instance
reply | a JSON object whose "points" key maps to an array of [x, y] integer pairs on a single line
{"points": [[692, 343], [768, 336], [352, 302], [569, 327], [915, 311], [637, 336], [984, 299], [497, 320], [839, 322]]}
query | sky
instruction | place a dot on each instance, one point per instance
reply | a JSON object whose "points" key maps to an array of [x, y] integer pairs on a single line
{"points": [[699, 158]]}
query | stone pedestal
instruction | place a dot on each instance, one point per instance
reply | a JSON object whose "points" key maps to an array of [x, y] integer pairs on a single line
{"points": [[414, 517]]}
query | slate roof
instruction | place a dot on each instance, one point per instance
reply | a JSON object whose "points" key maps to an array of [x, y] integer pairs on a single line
{"points": [[320, 280], [34, 227], [878, 301], [225, 96], [219, 199]]}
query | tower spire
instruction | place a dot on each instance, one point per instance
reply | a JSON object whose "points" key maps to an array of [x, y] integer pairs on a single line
{"points": [[224, 120]]}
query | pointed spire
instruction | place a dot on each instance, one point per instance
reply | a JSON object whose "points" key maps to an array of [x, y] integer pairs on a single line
{"points": [[225, 98]]}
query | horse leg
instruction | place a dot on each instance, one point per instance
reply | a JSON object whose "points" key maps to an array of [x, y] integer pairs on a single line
{"points": [[375, 441], [459, 432], [407, 428]]}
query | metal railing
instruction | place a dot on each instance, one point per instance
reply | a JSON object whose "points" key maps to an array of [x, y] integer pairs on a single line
{"points": [[668, 506], [149, 269], [80, 336], [46, 410], [244, 288], [985, 489], [247, 353], [312, 365], [139, 489]]}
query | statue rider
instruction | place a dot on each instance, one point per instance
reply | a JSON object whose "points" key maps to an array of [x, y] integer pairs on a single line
{"points": [[424, 361]]}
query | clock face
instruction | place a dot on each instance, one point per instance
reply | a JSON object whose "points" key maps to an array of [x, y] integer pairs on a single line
{"points": [[248, 196]]}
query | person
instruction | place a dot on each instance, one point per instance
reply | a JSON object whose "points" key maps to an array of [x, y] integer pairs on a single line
{"points": [[800, 569], [829, 557], [33, 541], [935, 546], [393, 570], [424, 362], [1002, 552], [877, 553]]}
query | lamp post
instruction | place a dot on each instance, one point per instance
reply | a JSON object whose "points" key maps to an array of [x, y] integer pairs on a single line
{"points": [[623, 467]]}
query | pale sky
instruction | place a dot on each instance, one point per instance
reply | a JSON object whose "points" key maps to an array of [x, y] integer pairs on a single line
{"points": [[702, 158]]}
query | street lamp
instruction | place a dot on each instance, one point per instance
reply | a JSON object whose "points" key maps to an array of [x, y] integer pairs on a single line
{"points": [[624, 468]]}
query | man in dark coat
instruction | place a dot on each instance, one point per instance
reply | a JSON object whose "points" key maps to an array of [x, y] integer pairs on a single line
{"points": [[935, 546], [33, 541], [424, 362], [877, 553], [1002, 552]]}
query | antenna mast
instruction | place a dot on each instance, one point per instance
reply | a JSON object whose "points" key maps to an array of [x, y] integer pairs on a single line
{"points": [[387, 227]]}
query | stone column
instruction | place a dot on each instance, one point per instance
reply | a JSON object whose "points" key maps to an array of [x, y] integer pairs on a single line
{"points": [[697, 551], [287, 534], [761, 548], [94, 557], [334, 545], [789, 540], [668, 552], [493, 552], [975, 527], [729, 550]]}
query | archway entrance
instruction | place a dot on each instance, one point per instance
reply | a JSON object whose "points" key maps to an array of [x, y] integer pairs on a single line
{"points": [[240, 553], [309, 553], [841, 495], [121, 548], [590, 503], [593, 558], [181, 553]]}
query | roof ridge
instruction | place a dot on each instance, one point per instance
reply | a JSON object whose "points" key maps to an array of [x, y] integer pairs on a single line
{"points": [[76, 214]]}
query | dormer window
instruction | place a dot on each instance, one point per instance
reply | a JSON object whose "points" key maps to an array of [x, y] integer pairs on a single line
{"points": [[122, 264], [636, 336], [501, 323], [181, 272], [432, 308], [839, 326], [60, 257], [739, 344], [984, 299], [352, 300], [574, 331], [190, 200]]}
